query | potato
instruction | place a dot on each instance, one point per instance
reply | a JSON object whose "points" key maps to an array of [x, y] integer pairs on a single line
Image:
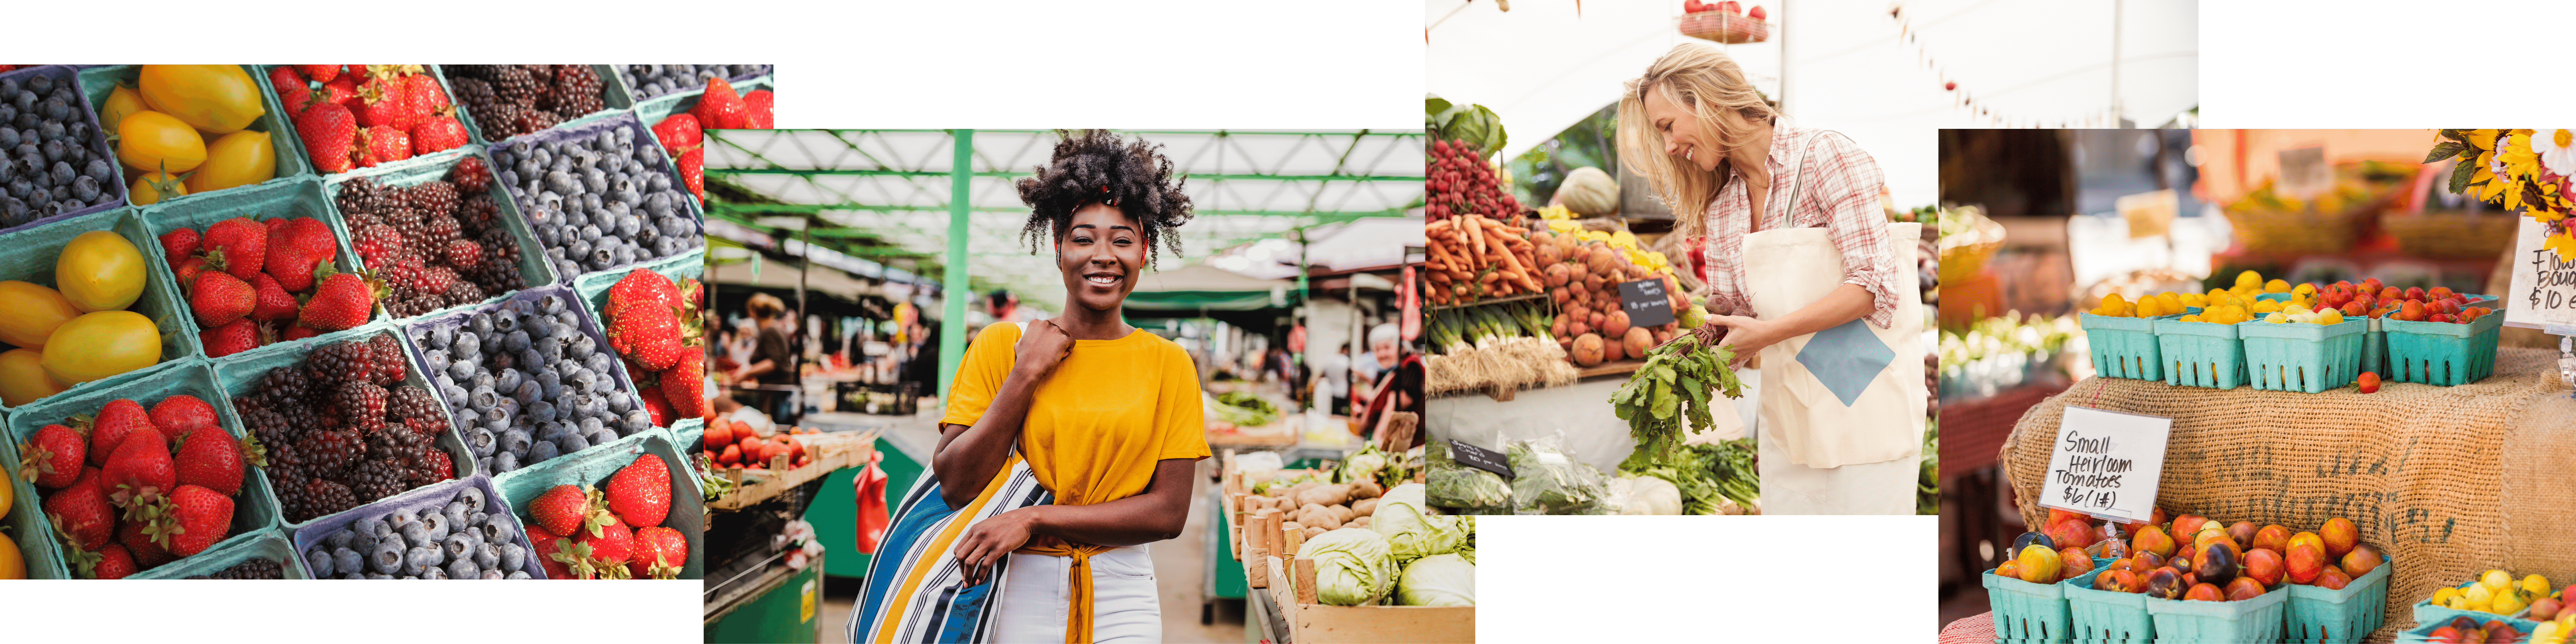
{"points": [[1298, 489], [1313, 532], [1317, 515], [1327, 495], [1364, 507], [1341, 513], [1361, 522], [1366, 489]]}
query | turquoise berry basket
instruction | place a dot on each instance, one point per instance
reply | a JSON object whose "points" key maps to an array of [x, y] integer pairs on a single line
{"points": [[299, 197], [97, 83], [2124, 347], [268, 544], [2428, 614], [242, 377], [593, 466], [2423, 631], [40, 245], [2201, 354], [2324, 615], [2442, 353], [2028, 613], [254, 506], [2374, 349], [2108, 617], [2298, 356], [2254, 620]]}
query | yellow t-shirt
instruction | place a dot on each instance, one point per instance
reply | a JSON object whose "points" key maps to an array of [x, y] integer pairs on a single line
{"points": [[1097, 425]]}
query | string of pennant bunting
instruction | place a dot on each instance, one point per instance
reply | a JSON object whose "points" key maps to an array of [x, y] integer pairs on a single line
{"points": [[1965, 99]]}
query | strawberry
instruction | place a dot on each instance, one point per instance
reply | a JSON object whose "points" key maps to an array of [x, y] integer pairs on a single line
{"points": [[382, 144], [285, 78], [298, 332], [421, 94], [187, 269], [178, 244], [437, 132], [138, 542], [659, 554], [563, 509], [643, 320], [276, 231], [640, 493], [219, 298], [52, 458], [321, 73], [757, 103], [720, 108], [548, 544], [113, 563], [108, 429], [380, 104], [237, 246], [84, 514], [211, 458], [181, 413], [654, 404], [303, 244], [328, 131], [611, 544], [679, 132], [684, 386], [342, 91], [270, 300], [296, 99], [693, 171], [194, 520], [231, 338], [343, 300], [139, 470]]}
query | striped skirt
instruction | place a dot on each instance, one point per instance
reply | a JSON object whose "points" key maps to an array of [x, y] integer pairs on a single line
{"points": [[915, 588]]}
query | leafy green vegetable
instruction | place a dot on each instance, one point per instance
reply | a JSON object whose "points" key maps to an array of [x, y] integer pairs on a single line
{"points": [[1708, 473], [1547, 481], [1675, 383], [1437, 580], [1353, 566], [1452, 485], [1411, 530], [1243, 408], [1473, 124]]}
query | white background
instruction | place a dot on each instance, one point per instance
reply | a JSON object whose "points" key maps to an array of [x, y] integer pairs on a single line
{"points": [[1234, 65]]}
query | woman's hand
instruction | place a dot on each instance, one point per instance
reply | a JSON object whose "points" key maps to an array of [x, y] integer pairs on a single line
{"points": [[990, 540], [1045, 346], [1747, 335]]}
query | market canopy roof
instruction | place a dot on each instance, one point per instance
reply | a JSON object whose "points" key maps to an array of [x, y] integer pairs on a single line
{"points": [[1852, 67], [783, 275], [883, 195], [1200, 286]]}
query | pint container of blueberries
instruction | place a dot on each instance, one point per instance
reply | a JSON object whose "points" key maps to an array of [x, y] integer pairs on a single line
{"points": [[500, 529], [648, 82], [82, 136], [268, 543], [629, 184], [525, 426]]}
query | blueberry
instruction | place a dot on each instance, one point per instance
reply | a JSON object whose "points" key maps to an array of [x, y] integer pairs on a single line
{"points": [[386, 576], [481, 398], [541, 411], [456, 512], [371, 529], [469, 343], [513, 556], [619, 402], [347, 561], [463, 568], [515, 441], [462, 369], [99, 171], [414, 532], [508, 380], [572, 443], [541, 451], [478, 520], [503, 409], [519, 574], [481, 323], [504, 462], [516, 342], [387, 558], [437, 359], [480, 441], [85, 188], [62, 173], [39, 84], [527, 392], [602, 438], [549, 379], [459, 546], [638, 420], [418, 561], [341, 538], [318, 561], [592, 425]]}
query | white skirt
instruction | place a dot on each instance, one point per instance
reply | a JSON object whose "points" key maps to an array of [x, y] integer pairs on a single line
{"points": [[1885, 487], [1124, 602]]}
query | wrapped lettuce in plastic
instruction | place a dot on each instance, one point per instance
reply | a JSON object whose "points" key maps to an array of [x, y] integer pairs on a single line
{"points": [[1650, 495], [1437, 580], [1453, 485], [1547, 480], [1352, 566], [1412, 530]]}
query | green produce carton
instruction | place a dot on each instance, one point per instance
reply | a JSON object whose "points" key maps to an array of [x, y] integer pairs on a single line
{"points": [[35, 250], [98, 82], [268, 544], [593, 466], [260, 73], [301, 197], [242, 377], [254, 506], [532, 266]]}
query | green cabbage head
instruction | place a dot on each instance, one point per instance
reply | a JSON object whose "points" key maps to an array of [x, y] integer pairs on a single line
{"points": [[1438, 580], [1410, 527], [1352, 566]]}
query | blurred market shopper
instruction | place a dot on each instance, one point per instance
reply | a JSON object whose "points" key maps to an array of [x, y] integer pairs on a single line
{"points": [[1801, 270], [1068, 443], [1397, 387]]}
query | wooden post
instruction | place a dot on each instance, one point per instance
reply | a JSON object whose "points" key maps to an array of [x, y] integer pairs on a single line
{"points": [[1257, 569], [1305, 580], [1293, 542]]}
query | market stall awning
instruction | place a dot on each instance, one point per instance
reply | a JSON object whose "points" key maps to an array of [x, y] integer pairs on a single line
{"points": [[1204, 287], [826, 280]]}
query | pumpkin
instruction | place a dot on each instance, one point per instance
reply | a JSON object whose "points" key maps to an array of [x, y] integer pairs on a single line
{"points": [[1589, 192]]}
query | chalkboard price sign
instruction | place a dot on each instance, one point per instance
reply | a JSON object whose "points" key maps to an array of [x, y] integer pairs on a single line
{"points": [[1480, 458], [1646, 303]]}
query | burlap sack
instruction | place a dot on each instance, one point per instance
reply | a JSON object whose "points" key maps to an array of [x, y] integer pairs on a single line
{"points": [[2448, 481]]}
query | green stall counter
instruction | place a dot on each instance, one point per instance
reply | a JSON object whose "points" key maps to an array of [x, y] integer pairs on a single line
{"points": [[835, 510], [785, 613]]}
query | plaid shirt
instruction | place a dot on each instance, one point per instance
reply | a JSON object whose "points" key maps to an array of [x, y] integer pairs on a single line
{"points": [[1841, 193]]}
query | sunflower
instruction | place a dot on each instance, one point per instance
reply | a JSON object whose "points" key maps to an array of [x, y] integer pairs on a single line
{"points": [[2563, 244], [2513, 161]]}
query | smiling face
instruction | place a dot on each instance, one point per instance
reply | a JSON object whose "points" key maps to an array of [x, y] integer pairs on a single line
{"points": [[1099, 254], [1684, 138]]}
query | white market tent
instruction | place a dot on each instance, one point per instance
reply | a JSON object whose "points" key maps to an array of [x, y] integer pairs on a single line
{"points": [[1850, 66]]}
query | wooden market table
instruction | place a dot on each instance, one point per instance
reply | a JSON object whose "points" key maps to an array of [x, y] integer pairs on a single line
{"points": [[2448, 481]]}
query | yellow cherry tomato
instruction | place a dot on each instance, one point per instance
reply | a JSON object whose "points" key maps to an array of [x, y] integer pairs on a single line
{"points": [[216, 98], [101, 344], [152, 141], [99, 271], [23, 379], [151, 188], [2249, 278], [2276, 286], [13, 564], [30, 311], [238, 159], [121, 102]]}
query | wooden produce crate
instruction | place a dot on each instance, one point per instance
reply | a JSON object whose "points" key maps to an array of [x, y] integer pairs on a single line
{"points": [[1310, 622], [830, 450]]}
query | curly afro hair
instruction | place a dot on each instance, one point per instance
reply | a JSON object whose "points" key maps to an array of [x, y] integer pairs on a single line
{"points": [[1096, 166]]}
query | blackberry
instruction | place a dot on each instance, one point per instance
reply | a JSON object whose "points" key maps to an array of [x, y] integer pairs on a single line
{"points": [[411, 224], [526, 121], [443, 229], [326, 496], [515, 84], [389, 359], [410, 402], [435, 198], [378, 478], [400, 442], [270, 427], [478, 211], [499, 119], [328, 453], [293, 498], [471, 175], [363, 403], [340, 362], [255, 568], [466, 292], [576, 90], [284, 387], [363, 195]]}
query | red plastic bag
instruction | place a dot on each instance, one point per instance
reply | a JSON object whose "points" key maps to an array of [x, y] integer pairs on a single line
{"points": [[871, 484]]}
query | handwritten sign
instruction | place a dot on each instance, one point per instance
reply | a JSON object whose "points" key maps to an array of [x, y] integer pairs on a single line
{"points": [[2106, 463], [2544, 287], [1646, 302], [1480, 458]]}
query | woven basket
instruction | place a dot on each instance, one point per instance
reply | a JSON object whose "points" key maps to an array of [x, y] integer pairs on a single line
{"points": [[2452, 234], [1723, 27]]}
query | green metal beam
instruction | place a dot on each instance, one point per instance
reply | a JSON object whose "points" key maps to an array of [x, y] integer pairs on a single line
{"points": [[1015, 174], [952, 324]]}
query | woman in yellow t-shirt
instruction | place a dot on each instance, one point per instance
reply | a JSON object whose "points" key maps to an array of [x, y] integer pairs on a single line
{"points": [[1107, 416]]}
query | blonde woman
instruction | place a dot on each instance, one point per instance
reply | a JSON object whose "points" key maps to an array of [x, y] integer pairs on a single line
{"points": [[1732, 167]]}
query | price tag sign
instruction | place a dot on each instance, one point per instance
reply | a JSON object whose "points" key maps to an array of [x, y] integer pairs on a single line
{"points": [[1480, 458], [2544, 287], [1646, 303], [2106, 463], [2304, 173]]}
